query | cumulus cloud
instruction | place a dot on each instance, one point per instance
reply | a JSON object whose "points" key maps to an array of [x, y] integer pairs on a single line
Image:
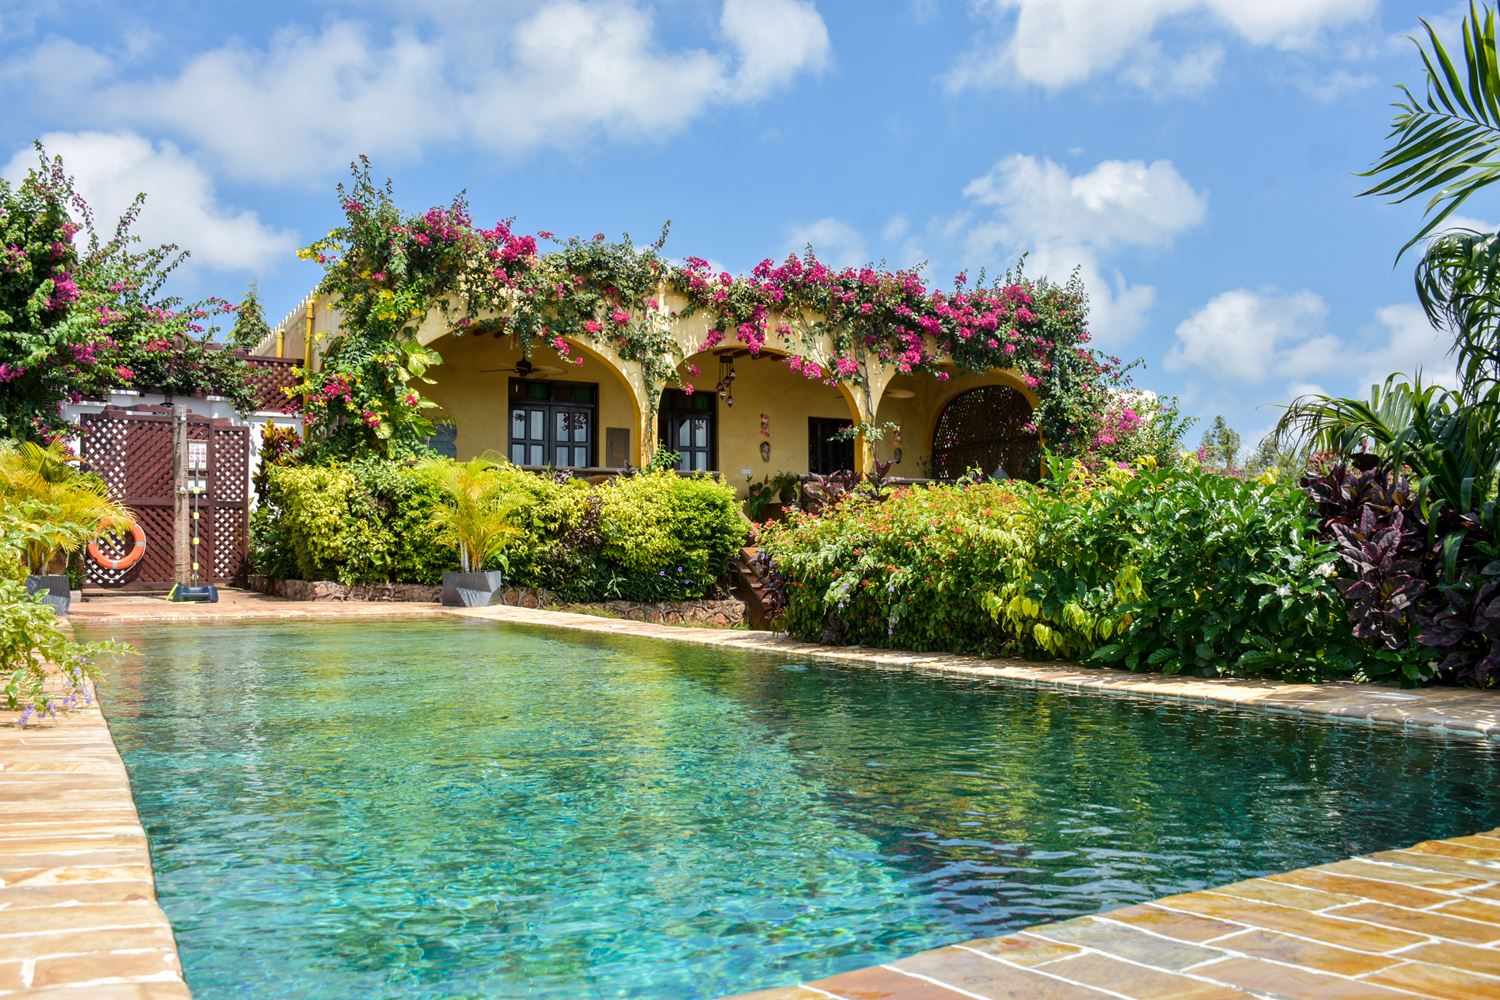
{"points": [[555, 74], [1118, 203], [1059, 43], [1245, 335], [836, 243], [1268, 336], [111, 168], [1067, 221]]}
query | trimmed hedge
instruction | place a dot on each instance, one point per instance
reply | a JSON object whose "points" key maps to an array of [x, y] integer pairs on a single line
{"points": [[650, 537]]}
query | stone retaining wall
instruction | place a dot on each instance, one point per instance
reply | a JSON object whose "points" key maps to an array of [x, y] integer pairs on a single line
{"points": [[705, 614]]}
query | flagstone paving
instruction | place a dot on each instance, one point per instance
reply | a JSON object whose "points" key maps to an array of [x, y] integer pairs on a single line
{"points": [[78, 911], [1403, 923], [79, 918]]}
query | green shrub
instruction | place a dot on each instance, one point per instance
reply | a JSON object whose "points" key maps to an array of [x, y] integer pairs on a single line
{"points": [[651, 537], [1179, 570], [36, 645]]}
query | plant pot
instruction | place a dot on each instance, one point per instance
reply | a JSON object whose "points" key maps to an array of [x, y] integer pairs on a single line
{"points": [[471, 590], [57, 594]]}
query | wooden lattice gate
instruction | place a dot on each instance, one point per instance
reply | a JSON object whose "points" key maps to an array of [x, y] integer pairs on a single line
{"points": [[132, 450]]}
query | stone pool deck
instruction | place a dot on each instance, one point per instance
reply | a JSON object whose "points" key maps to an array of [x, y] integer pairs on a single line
{"points": [[78, 911], [79, 918], [1423, 922]]}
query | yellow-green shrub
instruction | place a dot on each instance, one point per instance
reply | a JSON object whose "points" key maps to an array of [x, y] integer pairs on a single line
{"points": [[651, 537]]}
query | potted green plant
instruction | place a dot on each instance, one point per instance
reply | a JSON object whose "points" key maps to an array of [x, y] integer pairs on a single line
{"points": [[475, 516], [70, 507], [757, 499]]}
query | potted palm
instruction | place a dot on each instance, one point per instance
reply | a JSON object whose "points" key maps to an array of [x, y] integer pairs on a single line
{"points": [[70, 507], [475, 517]]}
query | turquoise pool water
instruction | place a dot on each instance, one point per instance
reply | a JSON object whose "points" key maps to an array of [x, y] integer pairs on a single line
{"points": [[464, 809]]}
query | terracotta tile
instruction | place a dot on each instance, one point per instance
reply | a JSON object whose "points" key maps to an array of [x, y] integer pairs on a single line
{"points": [[1436, 862], [1384, 892], [26, 897], [1124, 941], [1021, 949], [56, 844], [1472, 909], [1284, 981], [1423, 877], [1170, 923], [158, 937], [66, 918], [92, 968], [1138, 981], [1328, 929], [783, 993], [1308, 954], [1452, 849], [989, 978], [1428, 922], [70, 874], [1457, 956], [1285, 895], [11, 977], [880, 983], [117, 991], [1437, 981]]}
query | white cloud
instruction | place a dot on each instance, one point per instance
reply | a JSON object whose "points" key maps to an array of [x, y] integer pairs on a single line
{"points": [[1118, 203], [1156, 72], [111, 168], [775, 40], [1058, 43], [549, 75], [836, 243], [1268, 336], [1065, 221], [1339, 85], [1405, 342], [1245, 335]]}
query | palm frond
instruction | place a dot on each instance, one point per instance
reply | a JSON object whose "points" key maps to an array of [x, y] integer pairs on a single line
{"points": [[1458, 284], [1446, 145]]}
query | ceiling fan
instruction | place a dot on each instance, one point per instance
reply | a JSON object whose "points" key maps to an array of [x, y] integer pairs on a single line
{"points": [[525, 369]]}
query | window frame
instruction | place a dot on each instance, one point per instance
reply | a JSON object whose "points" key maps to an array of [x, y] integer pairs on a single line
{"points": [[516, 397], [820, 446], [676, 404]]}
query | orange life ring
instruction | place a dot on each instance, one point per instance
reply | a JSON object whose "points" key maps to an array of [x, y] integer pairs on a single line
{"points": [[129, 559]]}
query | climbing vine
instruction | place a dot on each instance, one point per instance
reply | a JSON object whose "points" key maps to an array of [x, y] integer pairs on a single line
{"points": [[390, 270]]}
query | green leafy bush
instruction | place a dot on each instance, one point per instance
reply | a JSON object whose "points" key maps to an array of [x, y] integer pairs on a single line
{"points": [[651, 537], [42, 669], [1179, 570]]}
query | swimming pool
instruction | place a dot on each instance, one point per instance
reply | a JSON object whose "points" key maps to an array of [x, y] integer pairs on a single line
{"points": [[463, 808]]}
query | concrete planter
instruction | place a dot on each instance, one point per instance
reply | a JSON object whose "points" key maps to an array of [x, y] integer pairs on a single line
{"points": [[472, 590], [57, 594]]}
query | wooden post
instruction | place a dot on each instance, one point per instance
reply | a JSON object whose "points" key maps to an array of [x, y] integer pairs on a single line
{"points": [[182, 549]]}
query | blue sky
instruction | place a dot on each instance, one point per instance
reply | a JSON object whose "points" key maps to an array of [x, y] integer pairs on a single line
{"points": [[1195, 158]]}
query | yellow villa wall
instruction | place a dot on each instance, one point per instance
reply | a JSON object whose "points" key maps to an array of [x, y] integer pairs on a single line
{"points": [[765, 385], [478, 401]]}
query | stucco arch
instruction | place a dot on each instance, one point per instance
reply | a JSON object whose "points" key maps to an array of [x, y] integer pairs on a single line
{"points": [[473, 394], [914, 401], [793, 398]]}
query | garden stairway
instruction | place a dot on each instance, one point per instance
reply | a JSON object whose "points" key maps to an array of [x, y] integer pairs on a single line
{"points": [[750, 584]]}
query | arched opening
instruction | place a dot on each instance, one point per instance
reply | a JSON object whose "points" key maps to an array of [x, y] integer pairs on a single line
{"points": [[989, 429], [541, 411], [767, 420]]}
